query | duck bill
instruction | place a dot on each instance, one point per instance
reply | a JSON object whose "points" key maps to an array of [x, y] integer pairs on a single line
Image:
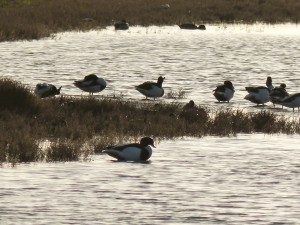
{"points": [[153, 146]]}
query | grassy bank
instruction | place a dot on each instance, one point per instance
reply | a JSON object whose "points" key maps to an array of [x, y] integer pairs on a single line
{"points": [[66, 129], [34, 19]]}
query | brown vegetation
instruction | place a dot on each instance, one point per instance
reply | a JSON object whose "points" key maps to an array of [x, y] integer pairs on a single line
{"points": [[34, 19], [75, 128]]}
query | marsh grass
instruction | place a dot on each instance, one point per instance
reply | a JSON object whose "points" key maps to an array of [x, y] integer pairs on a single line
{"points": [[34, 19], [67, 150], [78, 127], [20, 98]]}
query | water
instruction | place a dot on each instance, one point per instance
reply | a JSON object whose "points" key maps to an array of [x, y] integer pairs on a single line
{"points": [[192, 61], [248, 179]]}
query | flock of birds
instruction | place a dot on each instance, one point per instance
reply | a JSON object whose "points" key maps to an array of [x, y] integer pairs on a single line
{"points": [[261, 94], [94, 84], [223, 93]]}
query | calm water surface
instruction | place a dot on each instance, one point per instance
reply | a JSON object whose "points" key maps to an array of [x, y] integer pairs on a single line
{"points": [[248, 179]]}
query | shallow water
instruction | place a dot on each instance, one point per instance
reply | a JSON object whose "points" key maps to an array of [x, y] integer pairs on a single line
{"points": [[248, 179], [192, 61]]}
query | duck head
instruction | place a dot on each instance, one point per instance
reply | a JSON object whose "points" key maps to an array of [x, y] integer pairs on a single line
{"points": [[228, 84], [145, 141], [283, 86], [160, 80], [269, 83]]}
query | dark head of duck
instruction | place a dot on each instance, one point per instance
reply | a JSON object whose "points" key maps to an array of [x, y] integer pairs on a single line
{"points": [[121, 25], [55, 90], [228, 84], [269, 83], [160, 80]]}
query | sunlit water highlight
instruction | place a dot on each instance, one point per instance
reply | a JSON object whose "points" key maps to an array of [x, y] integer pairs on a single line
{"points": [[248, 179]]}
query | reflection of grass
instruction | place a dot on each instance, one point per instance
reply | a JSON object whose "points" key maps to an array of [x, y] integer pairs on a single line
{"points": [[176, 94], [78, 127], [34, 19]]}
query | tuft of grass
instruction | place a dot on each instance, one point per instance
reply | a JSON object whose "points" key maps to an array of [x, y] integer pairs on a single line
{"points": [[263, 121], [65, 150], [14, 96], [21, 147]]}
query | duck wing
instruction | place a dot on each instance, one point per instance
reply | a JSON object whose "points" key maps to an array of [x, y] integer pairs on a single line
{"points": [[255, 89], [146, 85], [220, 88], [123, 146]]}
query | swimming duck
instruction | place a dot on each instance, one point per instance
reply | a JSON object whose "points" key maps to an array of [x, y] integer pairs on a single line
{"points": [[132, 152], [91, 83], [291, 101], [151, 89], [121, 25], [260, 94], [44, 90], [278, 94], [225, 92]]}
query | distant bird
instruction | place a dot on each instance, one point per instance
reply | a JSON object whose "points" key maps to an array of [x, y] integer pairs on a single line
{"points": [[278, 94], [292, 101], [260, 94], [225, 92], [91, 83], [44, 90], [151, 89], [191, 26], [132, 152], [121, 25]]}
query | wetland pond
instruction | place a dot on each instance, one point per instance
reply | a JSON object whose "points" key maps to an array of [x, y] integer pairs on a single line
{"points": [[247, 179]]}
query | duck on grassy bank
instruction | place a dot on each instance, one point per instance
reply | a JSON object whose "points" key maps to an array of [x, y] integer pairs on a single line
{"points": [[152, 89], [189, 105], [91, 83], [260, 94], [191, 26], [121, 25], [44, 90], [225, 92], [132, 152]]}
